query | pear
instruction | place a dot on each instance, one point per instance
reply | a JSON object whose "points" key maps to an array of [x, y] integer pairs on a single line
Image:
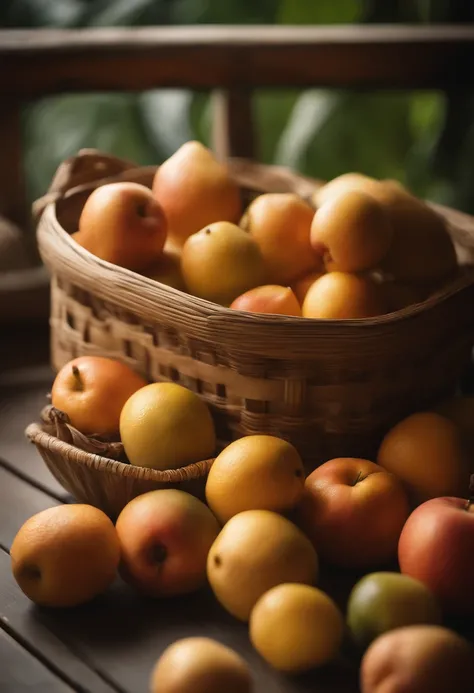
{"points": [[195, 189]]}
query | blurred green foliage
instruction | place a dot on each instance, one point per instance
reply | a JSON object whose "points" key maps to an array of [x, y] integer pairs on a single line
{"points": [[424, 139]]}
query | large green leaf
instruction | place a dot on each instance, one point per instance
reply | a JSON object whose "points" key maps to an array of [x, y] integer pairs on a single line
{"points": [[166, 116], [320, 11], [223, 11], [330, 133], [38, 13], [57, 128], [128, 12]]}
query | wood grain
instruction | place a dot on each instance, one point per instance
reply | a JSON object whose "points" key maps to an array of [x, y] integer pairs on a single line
{"points": [[21, 672], [233, 132], [22, 396], [19, 501], [36, 63]]}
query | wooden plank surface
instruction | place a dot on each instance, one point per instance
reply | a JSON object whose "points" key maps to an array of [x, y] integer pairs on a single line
{"points": [[20, 672], [18, 501], [22, 396], [20, 618], [121, 634], [35, 63]]}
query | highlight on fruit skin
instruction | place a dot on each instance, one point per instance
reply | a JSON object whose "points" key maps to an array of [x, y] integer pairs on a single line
{"points": [[351, 232], [296, 627], [66, 555], [385, 600], [195, 190], [256, 472], [165, 536], [256, 550], [418, 659], [92, 391], [341, 295], [269, 299], [166, 426], [280, 223], [200, 665], [122, 223], [426, 452], [221, 262]]}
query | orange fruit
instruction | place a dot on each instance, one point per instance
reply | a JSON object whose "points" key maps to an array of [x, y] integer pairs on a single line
{"points": [[92, 390], [66, 555]]}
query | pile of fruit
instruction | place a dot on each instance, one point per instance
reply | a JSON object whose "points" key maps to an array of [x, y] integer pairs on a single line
{"points": [[356, 248], [263, 534]]}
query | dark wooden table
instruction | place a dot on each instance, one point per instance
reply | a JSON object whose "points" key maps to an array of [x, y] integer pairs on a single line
{"points": [[111, 644]]}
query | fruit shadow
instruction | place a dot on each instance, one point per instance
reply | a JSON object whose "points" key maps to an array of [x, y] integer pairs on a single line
{"points": [[122, 633]]}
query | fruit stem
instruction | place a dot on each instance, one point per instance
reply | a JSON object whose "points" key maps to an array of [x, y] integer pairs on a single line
{"points": [[471, 492], [358, 478], [77, 375]]}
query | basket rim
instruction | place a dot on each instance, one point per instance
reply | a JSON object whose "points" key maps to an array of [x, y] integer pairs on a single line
{"points": [[49, 225], [36, 434]]}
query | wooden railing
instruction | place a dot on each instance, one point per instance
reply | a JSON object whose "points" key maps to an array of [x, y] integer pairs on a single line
{"points": [[228, 60]]}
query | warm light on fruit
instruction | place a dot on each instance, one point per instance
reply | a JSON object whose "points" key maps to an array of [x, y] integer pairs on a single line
{"points": [[221, 262], [272, 299], [92, 390], [340, 296], [195, 190], [123, 224]]}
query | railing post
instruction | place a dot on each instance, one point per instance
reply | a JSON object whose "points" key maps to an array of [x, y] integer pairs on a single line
{"points": [[233, 124], [12, 182]]}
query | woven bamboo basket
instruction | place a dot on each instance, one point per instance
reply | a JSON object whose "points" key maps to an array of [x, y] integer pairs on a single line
{"points": [[331, 387], [99, 480]]}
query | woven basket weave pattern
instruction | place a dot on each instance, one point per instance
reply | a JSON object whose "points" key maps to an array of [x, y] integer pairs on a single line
{"points": [[105, 483], [331, 387]]}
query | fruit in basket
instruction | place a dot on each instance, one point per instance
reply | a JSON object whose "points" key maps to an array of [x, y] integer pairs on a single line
{"points": [[200, 665], [255, 551], [346, 182], [166, 426], [270, 298], [92, 390], [66, 555], [195, 190], [339, 295], [422, 250], [168, 270], [123, 224], [255, 473], [301, 286], [221, 262], [383, 601], [418, 659], [165, 536], [437, 547], [460, 410], [426, 452], [281, 223], [351, 232], [296, 627], [354, 512]]}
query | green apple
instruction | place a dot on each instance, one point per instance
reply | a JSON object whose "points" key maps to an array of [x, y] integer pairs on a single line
{"points": [[382, 601]]}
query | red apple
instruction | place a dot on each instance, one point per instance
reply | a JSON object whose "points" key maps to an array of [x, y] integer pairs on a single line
{"points": [[437, 547], [165, 537], [354, 511], [124, 224]]}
